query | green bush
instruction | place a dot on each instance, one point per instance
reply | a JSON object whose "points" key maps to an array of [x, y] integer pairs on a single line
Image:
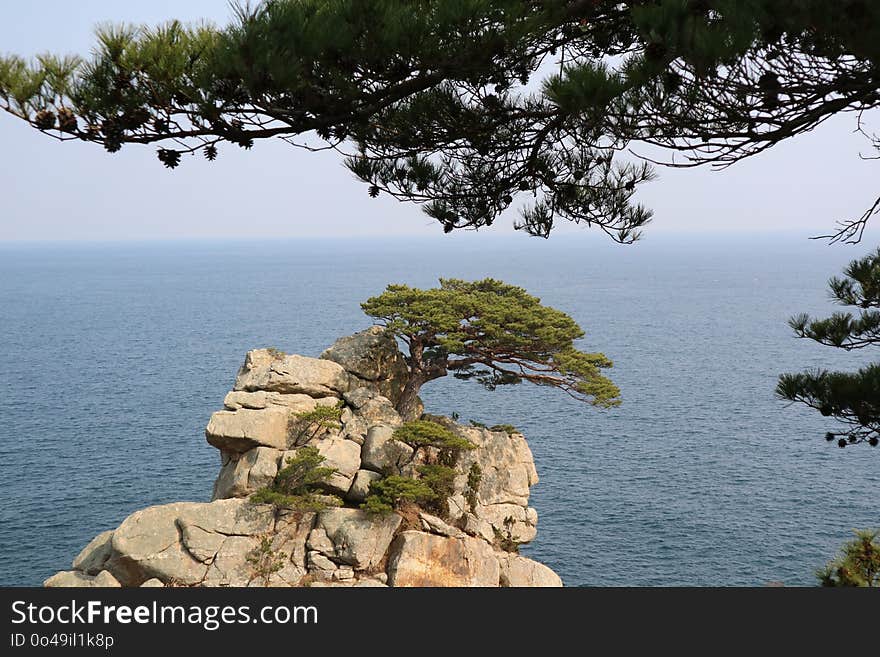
{"points": [[439, 478], [307, 425], [265, 561], [474, 478], [388, 493], [858, 563], [426, 433], [509, 429], [296, 486]]}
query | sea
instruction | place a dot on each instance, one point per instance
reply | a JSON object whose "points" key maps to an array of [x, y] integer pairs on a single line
{"points": [[114, 355]]}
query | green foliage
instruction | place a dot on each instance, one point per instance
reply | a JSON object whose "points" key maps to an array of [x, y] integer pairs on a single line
{"points": [[474, 478], [388, 493], [857, 565], [427, 99], [478, 425], [298, 484], [494, 333], [432, 102], [265, 561], [425, 433], [307, 425], [439, 478], [509, 429], [849, 397]]}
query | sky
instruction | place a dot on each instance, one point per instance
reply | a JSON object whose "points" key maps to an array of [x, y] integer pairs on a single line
{"points": [[77, 191]]}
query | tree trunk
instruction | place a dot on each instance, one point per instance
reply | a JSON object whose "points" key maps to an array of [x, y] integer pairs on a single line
{"points": [[409, 405]]}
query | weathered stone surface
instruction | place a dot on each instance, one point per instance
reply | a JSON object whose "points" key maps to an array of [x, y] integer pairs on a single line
{"points": [[359, 539], [320, 542], [360, 485], [152, 584], [244, 429], [232, 517], [260, 399], [177, 543], [342, 455], [382, 453], [292, 528], [246, 473], [75, 578], [319, 561], [146, 545], [520, 571], [230, 566], [343, 573], [512, 521], [93, 557], [435, 525], [373, 357], [372, 411], [421, 559], [506, 464], [291, 374]]}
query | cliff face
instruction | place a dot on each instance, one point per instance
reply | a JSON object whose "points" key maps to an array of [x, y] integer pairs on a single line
{"points": [[469, 539]]}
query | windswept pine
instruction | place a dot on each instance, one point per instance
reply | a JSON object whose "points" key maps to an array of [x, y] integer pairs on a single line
{"points": [[492, 332]]}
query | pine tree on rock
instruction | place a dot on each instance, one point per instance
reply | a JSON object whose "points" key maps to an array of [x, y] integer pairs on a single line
{"points": [[492, 332], [852, 398]]}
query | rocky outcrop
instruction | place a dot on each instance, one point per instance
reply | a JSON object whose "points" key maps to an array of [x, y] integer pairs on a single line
{"points": [[470, 537]]}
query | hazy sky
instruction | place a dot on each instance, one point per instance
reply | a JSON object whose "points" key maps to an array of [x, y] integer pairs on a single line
{"points": [[76, 191]]}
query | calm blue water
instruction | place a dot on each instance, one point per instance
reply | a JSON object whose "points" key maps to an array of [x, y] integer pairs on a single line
{"points": [[114, 356]]}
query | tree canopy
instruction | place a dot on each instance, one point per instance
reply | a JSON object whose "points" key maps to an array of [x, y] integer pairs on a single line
{"points": [[435, 102], [491, 332], [852, 398]]}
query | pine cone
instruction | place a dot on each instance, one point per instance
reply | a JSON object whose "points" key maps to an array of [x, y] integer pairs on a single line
{"points": [[45, 119]]}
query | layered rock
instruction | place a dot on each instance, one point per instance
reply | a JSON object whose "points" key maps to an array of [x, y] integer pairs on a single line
{"points": [[469, 539]]}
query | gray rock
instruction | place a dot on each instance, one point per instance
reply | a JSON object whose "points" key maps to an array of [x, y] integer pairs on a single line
{"points": [[519, 571], [359, 539], [435, 525], [294, 403], [77, 579], [152, 584], [318, 561], [382, 453], [291, 374], [360, 486], [292, 529], [373, 357], [178, 543], [244, 429], [230, 565], [511, 520], [342, 455], [421, 559], [146, 545], [93, 557], [247, 473], [318, 541], [359, 396]]}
